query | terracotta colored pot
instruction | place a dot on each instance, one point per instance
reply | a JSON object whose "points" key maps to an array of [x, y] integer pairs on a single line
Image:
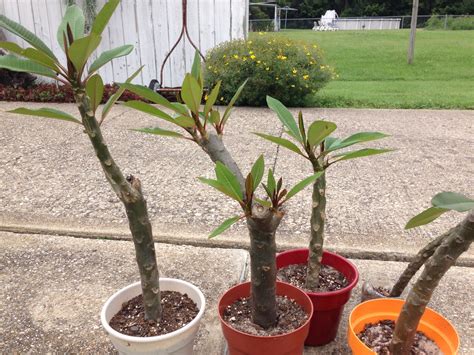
{"points": [[240, 343], [328, 306], [433, 324]]}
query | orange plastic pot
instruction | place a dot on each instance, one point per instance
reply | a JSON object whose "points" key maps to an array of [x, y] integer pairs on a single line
{"points": [[433, 324], [240, 343]]}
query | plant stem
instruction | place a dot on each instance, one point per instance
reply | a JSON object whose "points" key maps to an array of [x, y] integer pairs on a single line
{"points": [[318, 220], [412, 268], [130, 193], [262, 226], [213, 145], [455, 243]]}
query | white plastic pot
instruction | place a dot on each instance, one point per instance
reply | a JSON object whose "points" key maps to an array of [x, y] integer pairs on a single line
{"points": [[179, 342]]}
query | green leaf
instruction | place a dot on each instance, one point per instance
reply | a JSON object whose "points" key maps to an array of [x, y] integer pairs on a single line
{"points": [[319, 130], [264, 203], [257, 171], [425, 217], [227, 111], [184, 121], [228, 180], [452, 201], [95, 90], [302, 184], [14, 63], [159, 132], [107, 56], [76, 20], [356, 138], [361, 153], [301, 126], [30, 53], [180, 109], [271, 183], [26, 35], [113, 99], [149, 109], [196, 68], [81, 50], [191, 93], [150, 95], [218, 186], [214, 117], [281, 141], [103, 17], [285, 117], [329, 142], [46, 112], [211, 99], [224, 226]]}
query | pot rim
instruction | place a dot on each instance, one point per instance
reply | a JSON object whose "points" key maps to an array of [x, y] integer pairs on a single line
{"points": [[346, 289], [308, 320], [137, 339]]}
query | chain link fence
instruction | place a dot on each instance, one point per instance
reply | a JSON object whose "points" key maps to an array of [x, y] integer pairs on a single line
{"points": [[431, 22]]}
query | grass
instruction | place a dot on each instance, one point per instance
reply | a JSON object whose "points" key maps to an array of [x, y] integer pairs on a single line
{"points": [[373, 71]]}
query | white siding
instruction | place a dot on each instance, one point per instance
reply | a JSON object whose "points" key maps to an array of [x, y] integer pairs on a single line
{"points": [[152, 26]]}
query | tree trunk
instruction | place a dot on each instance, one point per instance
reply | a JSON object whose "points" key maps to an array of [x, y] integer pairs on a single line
{"points": [[420, 258], [318, 220], [262, 226], [130, 193], [458, 241]]}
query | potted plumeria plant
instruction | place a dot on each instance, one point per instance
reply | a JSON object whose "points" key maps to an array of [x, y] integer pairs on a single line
{"points": [[251, 313], [148, 328], [327, 277], [397, 323]]}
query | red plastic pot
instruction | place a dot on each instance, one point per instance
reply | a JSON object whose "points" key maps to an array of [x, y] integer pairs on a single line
{"points": [[328, 306], [240, 343]]}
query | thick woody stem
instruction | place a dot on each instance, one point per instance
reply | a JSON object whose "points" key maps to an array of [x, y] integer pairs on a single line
{"points": [[318, 220], [455, 243], [412, 268], [262, 226], [130, 193]]}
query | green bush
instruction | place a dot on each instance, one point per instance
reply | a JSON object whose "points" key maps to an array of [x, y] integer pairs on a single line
{"points": [[287, 70], [451, 23]]}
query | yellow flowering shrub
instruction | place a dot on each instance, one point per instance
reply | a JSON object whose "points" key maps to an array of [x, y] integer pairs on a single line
{"points": [[287, 70]]}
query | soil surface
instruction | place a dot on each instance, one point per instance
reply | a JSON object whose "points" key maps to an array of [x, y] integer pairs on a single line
{"points": [[178, 310], [290, 316], [329, 278], [379, 335]]}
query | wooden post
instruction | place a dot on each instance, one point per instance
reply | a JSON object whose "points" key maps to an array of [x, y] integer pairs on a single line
{"points": [[411, 46]]}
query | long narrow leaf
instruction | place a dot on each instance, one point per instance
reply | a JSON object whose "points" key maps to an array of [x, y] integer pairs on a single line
{"points": [[229, 180], [81, 50], [149, 94], [113, 99], [107, 56], [25, 34], [257, 171], [302, 184], [361, 153], [191, 93], [281, 141], [425, 217], [224, 226], [159, 132], [196, 69], [149, 109], [231, 104], [30, 53], [285, 117], [211, 98], [264, 203], [103, 17], [319, 130], [95, 90], [218, 186], [355, 139], [271, 183], [76, 20], [14, 63], [46, 112], [452, 201]]}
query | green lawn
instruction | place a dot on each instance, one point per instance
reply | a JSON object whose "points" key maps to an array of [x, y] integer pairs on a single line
{"points": [[373, 71]]}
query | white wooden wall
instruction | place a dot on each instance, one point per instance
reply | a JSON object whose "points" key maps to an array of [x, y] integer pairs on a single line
{"points": [[152, 26]]}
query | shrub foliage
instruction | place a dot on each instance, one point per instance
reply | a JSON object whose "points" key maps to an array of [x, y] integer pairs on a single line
{"points": [[287, 70]]}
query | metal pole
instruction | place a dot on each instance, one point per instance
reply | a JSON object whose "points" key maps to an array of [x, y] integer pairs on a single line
{"points": [[286, 16], [411, 46], [446, 21]]}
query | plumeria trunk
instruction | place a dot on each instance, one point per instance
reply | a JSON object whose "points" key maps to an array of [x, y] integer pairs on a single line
{"points": [[456, 242], [418, 261], [318, 219], [129, 192], [262, 226]]}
